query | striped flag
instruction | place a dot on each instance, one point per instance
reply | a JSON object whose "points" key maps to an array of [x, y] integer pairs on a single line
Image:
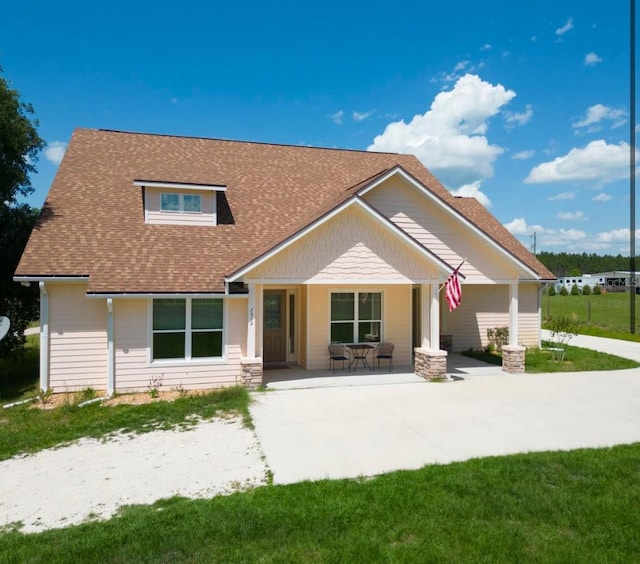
{"points": [[453, 292]]}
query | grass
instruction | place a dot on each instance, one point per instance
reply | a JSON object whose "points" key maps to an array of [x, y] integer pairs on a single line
{"points": [[25, 430], [578, 506], [576, 359], [604, 315]]}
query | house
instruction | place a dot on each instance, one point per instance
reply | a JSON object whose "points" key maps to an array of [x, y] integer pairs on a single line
{"points": [[199, 261]]}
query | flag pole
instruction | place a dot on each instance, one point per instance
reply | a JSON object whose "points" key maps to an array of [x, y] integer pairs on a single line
{"points": [[456, 270]]}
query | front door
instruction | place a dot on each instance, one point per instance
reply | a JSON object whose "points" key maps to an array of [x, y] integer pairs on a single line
{"points": [[275, 327]]}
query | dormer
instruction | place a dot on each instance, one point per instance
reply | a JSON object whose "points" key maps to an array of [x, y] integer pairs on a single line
{"points": [[179, 203]]}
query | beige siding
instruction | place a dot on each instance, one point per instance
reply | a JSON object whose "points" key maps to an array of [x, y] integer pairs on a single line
{"points": [[438, 231], [134, 371], [396, 322], [350, 246], [78, 339], [487, 307], [154, 215]]}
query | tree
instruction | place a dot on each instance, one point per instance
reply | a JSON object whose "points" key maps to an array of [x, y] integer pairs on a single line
{"points": [[19, 148]]}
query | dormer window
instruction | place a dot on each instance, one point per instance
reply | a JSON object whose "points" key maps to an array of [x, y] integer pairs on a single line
{"points": [[174, 203]]}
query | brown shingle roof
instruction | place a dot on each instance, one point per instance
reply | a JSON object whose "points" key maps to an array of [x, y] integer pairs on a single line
{"points": [[93, 219]]}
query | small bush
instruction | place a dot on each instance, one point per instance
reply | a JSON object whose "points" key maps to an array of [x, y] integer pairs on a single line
{"points": [[498, 337], [586, 290], [564, 291], [551, 291], [597, 290], [575, 291]]}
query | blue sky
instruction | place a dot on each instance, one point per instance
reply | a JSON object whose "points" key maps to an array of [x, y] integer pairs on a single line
{"points": [[523, 105]]}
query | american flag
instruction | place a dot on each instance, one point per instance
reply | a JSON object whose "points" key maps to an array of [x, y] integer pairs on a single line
{"points": [[453, 292]]}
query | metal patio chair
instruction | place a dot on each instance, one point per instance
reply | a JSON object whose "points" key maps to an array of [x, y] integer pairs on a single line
{"points": [[337, 353], [384, 351]]}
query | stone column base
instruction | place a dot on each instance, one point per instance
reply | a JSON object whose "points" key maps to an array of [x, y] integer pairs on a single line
{"points": [[513, 359], [251, 372], [430, 364]]}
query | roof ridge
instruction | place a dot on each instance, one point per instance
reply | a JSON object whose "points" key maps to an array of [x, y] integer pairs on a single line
{"points": [[241, 141]]}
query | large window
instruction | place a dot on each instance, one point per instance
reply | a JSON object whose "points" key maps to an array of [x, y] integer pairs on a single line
{"points": [[187, 328], [356, 317], [188, 203]]}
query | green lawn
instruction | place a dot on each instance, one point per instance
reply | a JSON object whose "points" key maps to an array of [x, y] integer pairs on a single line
{"points": [[606, 315], [579, 506]]}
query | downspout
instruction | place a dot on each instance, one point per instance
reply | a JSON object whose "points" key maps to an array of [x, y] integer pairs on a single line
{"points": [[111, 374], [44, 338]]}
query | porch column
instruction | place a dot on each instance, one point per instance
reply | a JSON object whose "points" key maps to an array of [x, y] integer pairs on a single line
{"points": [[430, 361], [513, 355], [251, 365], [111, 359], [44, 338]]}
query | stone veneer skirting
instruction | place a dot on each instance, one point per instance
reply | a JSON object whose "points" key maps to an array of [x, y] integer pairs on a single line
{"points": [[430, 364], [513, 357], [251, 372]]}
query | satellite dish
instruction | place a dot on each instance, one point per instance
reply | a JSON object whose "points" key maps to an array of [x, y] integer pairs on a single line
{"points": [[4, 327]]}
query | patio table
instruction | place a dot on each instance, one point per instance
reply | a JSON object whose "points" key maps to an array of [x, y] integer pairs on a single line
{"points": [[360, 353]]}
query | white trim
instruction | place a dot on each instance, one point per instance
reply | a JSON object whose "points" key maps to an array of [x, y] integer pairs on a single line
{"points": [[251, 322], [44, 337], [334, 281], [150, 295], [181, 210], [180, 185], [397, 170], [49, 279], [111, 374], [384, 221]]}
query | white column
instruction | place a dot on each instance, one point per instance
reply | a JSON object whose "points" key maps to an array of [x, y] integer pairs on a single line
{"points": [[251, 322], [111, 359], [513, 313], [425, 307], [44, 338], [434, 318]]}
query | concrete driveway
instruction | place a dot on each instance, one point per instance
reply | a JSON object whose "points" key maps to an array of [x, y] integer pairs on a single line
{"points": [[340, 432]]}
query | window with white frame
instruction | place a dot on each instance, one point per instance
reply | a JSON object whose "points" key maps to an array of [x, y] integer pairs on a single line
{"points": [[187, 328], [356, 317], [180, 203]]}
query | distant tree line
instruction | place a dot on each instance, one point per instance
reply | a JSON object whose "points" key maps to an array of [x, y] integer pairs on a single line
{"points": [[574, 264]]}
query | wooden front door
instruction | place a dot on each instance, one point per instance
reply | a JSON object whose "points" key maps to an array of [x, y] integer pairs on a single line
{"points": [[275, 326]]}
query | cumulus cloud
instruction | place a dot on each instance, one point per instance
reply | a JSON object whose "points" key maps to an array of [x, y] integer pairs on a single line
{"points": [[361, 116], [523, 155], [598, 161], [602, 197], [599, 113], [55, 151], [473, 191], [450, 137], [514, 118], [337, 117], [519, 227], [486, 47], [616, 236], [571, 216], [563, 196], [591, 59], [566, 27]]}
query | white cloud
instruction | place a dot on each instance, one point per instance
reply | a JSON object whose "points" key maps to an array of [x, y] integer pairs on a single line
{"points": [[563, 196], [486, 47], [591, 59], [361, 116], [337, 117], [616, 236], [519, 226], [523, 155], [571, 216], [462, 67], [473, 191], [598, 161], [514, 118], [450, 137], [566, 27], [55, 151], [602, 197], [599, 113]]}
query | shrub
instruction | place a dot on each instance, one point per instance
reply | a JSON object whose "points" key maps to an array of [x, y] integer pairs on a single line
{"points": [[551, 291], [575, 291], [563, 329], [498, 337], [564, 291], [597, 290]]}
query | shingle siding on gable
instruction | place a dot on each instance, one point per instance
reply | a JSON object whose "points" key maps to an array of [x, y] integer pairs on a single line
{"points": [[349, 246], [438, 231]]}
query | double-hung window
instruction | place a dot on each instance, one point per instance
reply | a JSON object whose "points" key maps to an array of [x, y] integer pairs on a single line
{"points": [[181, 203], [356, 317], [187, 328]]}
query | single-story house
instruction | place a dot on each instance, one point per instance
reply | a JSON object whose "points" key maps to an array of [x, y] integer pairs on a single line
{"points": [[197, 262]]}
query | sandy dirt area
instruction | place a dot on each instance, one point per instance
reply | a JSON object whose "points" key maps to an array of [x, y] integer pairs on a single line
{"points": [[90, 479]]}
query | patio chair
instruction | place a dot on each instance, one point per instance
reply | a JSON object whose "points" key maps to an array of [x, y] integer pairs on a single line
{"points": [[384, 351], [337, 353]]}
